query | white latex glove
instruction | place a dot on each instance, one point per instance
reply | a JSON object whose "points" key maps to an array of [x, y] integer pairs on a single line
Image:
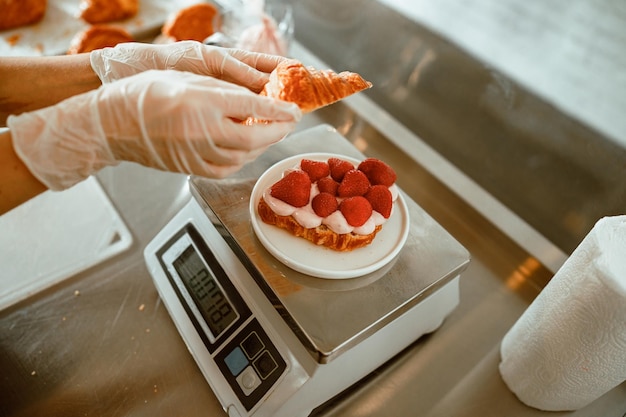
{"points": [[241, 67], [169, 120]]}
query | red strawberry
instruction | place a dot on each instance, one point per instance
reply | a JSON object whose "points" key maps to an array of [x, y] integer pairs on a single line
{"points": [[294, 188], [324, 204], [380, 198], [328, 185], [315, 169], [354, 183], [378, 172], [338, 168], [356, 210]]}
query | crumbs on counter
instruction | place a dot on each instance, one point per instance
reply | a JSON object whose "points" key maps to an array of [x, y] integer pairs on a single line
{"points": [[13, 39], [142, 307], [76, 293]]}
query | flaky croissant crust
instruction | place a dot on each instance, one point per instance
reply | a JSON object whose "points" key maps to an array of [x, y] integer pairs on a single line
{"points": [[320, 235], [311, 88]]}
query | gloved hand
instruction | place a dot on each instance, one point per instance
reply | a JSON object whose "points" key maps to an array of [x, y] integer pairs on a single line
{"points": [[169, 120], [241, 67]]}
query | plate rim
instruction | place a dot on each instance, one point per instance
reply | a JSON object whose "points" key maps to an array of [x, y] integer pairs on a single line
{"points": [[402, 210]]}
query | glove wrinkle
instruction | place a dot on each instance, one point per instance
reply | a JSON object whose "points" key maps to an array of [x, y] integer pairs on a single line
{"points": [[250, 70], [168, 119]]}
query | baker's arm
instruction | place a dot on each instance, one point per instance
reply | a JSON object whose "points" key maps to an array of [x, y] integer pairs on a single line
{"points": [[17, 184], [169, 120], [31, 83]]}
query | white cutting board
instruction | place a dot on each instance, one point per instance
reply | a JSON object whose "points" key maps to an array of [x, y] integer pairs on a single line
{"points": [[56, 235]]}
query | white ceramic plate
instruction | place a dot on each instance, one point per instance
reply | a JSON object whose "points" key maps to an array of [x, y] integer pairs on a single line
{"points": [[318, 261]]}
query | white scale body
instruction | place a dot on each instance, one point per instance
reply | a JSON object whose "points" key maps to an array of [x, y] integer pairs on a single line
{"points": [[271, 341]]}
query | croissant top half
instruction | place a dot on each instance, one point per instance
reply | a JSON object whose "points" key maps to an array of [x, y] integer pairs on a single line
{"points": [[310, 88]]}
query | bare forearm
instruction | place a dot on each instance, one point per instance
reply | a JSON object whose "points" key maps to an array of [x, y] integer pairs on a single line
{"points": [[30, 83], [17, 184]]}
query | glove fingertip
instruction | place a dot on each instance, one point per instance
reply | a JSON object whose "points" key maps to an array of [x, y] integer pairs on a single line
{"points": [[292, 109], [277, 110]]}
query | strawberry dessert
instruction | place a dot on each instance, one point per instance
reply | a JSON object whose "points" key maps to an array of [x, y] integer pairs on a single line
{"points": [[332, 203]]}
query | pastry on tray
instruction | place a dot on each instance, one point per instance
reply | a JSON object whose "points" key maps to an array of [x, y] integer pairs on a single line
{"points": [[191, 23], [332, 203], [98, 37], [17, 13], [105, 11]]}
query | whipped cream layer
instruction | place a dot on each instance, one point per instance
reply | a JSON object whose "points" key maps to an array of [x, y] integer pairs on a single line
{"points": [[336, 222]]}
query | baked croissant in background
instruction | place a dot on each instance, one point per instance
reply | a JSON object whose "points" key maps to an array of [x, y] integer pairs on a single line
{"points": [[16, 13], [98, 37], [104, 11]]}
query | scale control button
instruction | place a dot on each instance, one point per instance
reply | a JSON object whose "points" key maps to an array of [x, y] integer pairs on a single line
{"points": [[252, 345], [232, 411], [248, 380], [265, 364], [236, 361]]}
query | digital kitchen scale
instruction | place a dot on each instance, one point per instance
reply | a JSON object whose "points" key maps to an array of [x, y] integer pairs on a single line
{"points": [[272, 341]]}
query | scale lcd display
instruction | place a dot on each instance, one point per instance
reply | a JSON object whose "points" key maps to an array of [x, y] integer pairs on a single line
{"points": [[205, 290]]}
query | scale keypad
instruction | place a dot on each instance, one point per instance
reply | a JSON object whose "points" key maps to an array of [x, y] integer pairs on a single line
{"points": [[251, 364], [252, 345]]}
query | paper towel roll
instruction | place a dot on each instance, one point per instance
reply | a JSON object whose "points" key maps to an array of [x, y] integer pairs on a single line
{"points": [[569, 346]]}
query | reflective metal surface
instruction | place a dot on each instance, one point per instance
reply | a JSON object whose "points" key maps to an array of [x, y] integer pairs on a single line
{"points": [[101, 343], [331, 316], [554, 172]]}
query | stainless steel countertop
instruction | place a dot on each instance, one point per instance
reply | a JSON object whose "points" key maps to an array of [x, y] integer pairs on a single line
{"points": [[554, 172], [430, 258], [111, 349], [102, 343]]}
